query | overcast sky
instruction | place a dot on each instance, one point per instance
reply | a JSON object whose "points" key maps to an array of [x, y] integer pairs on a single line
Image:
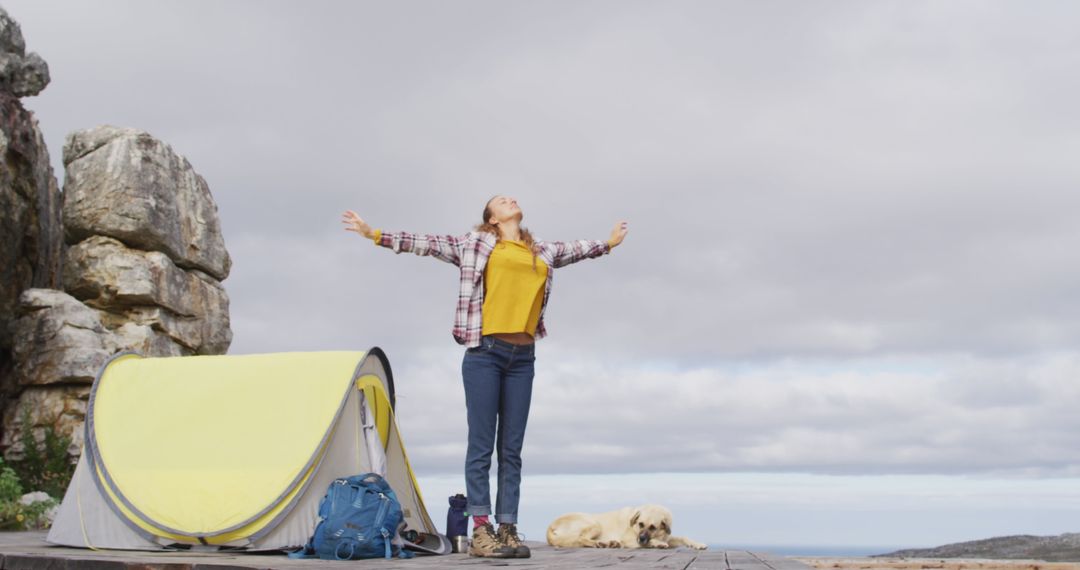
{"points": [[846, 311]]}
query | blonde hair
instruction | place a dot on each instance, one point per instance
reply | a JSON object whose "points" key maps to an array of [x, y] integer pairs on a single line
{"points": [[526, 236]]}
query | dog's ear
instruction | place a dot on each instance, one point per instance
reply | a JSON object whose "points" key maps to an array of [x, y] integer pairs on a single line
{"points": [[666, 525], [633, 519]]}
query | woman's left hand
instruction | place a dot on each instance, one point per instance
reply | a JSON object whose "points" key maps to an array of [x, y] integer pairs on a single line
{"points": [[618, 234]]}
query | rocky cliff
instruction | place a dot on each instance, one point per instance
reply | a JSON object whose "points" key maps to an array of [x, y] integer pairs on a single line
{"points": [[1061, 548], [130, 257], [30, 230]]}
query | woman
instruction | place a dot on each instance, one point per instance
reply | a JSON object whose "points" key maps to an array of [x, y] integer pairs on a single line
{"points": [[505, 283]]}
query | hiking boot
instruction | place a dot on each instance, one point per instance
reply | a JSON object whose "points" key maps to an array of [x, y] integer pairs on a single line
{"points": [[486, 545], [508, 535]]}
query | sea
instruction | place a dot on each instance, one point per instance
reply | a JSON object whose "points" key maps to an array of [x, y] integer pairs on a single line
{"points": [[811, 551]]}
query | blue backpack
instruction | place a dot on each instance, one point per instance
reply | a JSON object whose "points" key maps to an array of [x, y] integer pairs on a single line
{"points": [[358, 518]]}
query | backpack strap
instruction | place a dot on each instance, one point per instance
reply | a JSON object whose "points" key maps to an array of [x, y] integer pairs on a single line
{"points": [[352, 550]]}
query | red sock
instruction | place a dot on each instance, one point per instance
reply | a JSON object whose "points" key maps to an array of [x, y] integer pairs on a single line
{"points": [[479, 520]]}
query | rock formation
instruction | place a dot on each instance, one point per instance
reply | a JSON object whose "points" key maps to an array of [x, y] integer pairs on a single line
{"points": [[125, 184], [142, 258], [63, 344], [145, 243], [30, 230], [21, 74], [141, 273]]}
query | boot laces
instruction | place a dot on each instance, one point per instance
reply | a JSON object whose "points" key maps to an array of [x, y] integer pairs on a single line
{"points": [[509, 534]]}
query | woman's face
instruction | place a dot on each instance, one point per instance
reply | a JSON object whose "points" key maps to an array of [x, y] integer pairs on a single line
{"points": [[503, 208]]}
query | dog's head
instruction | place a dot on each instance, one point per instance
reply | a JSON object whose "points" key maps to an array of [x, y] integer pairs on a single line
{"points": [[651, 522]]}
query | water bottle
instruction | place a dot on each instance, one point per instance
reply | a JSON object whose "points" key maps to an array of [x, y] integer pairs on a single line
{"points": [[457, 523]]}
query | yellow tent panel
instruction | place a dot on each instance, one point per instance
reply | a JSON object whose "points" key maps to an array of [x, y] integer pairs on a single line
{"points": [[233, 450]]}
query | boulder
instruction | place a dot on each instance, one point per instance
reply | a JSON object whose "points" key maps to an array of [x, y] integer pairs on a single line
{"points": [[127, 185], [148, 341], [146, 330], [63, 408], [59, 340], [11, 38], [21, 74], [30, 231], [147, 288]]}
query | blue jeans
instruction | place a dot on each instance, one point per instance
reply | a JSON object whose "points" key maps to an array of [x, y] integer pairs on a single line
{"points": [[498, 379]]}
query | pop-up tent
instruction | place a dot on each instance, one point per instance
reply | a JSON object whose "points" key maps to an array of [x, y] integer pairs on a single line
{"points": [[233, 451]]}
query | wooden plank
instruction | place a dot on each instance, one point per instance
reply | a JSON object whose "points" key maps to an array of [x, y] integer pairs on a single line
{"points": [[779, 562], [744, 560], [25, 551]]}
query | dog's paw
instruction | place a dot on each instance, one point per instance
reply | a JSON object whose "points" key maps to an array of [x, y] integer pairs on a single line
{"points": [[659, 545], [613, 544], [696, 545]]}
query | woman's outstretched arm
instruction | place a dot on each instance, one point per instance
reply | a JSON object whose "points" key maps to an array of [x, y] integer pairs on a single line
{"points": [[444, 248], [565, 253]]}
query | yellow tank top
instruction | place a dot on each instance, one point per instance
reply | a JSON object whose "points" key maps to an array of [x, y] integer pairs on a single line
{"points": [[513, 289]]}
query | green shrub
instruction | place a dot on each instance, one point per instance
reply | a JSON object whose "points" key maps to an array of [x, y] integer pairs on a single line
{"points": [[13, 514], [10, 488], [45, 466], [32, 516]]}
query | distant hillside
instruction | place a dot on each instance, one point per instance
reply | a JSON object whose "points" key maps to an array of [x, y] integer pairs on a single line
{"points": [[1063, 548]]}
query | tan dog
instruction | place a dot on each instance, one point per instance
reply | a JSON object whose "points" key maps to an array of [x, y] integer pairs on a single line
{"points": [[647, 526]]}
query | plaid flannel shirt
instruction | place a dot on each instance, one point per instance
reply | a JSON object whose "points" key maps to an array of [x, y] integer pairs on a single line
{"points": [[470, 253]]}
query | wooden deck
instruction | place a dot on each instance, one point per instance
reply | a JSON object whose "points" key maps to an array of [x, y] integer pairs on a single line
{"points": [[28, 550]]}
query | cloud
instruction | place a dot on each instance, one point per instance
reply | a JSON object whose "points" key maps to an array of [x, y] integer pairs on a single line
{"points": [[851, 224], [949, 416]]}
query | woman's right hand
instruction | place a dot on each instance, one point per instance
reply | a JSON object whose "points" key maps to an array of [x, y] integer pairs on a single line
{"points": [[354, 223]]}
